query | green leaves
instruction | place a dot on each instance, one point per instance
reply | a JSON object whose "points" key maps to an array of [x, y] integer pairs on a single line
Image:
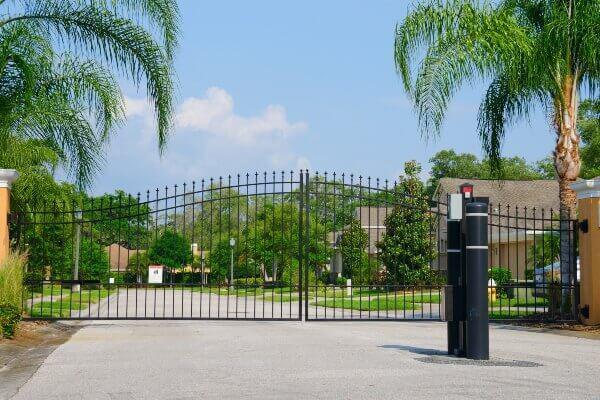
{"points": [[527, 48], [408, 243], [56, 72]]}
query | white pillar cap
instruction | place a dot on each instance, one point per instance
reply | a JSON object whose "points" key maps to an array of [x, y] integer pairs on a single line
{"points": [[7, 177], [587, 189]]}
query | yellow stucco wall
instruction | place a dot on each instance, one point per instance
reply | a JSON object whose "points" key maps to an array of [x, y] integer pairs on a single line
{"points": [[4, 210], [589, 256]]}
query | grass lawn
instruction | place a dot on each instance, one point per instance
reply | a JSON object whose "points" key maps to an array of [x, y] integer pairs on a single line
{"points": [[361, 304], [520, 302], [281, 298], [60, 308], [44, 290]]}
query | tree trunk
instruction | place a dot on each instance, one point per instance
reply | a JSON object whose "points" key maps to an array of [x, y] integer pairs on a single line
{"points": [[568, 165]]}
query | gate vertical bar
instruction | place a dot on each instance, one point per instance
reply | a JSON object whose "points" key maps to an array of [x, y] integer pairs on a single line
{"points": [[300, 244], [306, 242]]}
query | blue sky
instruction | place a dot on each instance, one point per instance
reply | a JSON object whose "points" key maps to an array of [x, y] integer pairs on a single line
{"points": [[272, 85]]}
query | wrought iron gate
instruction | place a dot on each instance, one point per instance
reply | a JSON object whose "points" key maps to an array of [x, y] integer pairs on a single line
{"points": [[278, 246]]}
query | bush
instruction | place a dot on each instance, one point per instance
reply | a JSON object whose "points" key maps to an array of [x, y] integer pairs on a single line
{"points": [[250, 282], [423, 276], [502, 277], [118, 276], [32, 278], [427, 277], [10, 315], [529, 274], [11, 279]]}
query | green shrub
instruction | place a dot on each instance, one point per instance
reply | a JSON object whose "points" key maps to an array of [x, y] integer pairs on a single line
{"points": [[10, 315], [11, 279], [529, 274], [502, 277], [250, 282], [118, 277]]}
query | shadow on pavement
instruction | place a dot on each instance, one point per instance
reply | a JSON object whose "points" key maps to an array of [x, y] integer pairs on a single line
{"points": [[415, 350]]}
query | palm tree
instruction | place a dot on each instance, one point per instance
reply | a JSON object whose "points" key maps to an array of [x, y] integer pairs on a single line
{"points": [[36, 162], [56, 63], [534, 52]]}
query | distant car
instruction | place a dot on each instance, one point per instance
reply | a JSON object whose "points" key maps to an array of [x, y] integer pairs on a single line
{"points": [[543, 276]]}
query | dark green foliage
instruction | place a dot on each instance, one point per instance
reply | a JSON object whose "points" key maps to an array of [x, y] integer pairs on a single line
{"points": [[119, 218], [423, 276], [219, 261], [536, 55], [10, 316], [137, 268], [589, 129], [407, 244], [449, 164], [171, 250], [49, 248], [353, 246], [545, 251], [529, 274], [502, 277], [272, 241], [93, 262]]}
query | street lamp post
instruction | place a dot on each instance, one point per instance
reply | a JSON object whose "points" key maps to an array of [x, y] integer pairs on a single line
{"points": [[231, 244]]}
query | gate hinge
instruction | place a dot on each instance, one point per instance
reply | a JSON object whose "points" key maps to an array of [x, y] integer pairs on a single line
{"points": [[585, 311], [584, 226]]}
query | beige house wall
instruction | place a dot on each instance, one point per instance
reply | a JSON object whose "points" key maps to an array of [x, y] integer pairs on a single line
{"points": [[514, 256]]}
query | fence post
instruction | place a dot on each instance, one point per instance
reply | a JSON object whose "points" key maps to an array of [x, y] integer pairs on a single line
{"points": [[476, 241], [7, 177], [588, 210]]}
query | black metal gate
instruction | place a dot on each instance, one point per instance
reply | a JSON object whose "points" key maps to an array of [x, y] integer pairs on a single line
{"points": [[278, 246]]}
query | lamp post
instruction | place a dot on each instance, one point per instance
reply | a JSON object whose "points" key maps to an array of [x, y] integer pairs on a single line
{"points": [[231, 244]]}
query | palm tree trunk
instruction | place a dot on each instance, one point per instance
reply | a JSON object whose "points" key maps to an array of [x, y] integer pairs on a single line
{"points": [[568, 165]]}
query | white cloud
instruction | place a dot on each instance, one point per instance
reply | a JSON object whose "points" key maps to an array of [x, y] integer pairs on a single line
{"points": [[230, 143], [214, 113], [136, 107]]}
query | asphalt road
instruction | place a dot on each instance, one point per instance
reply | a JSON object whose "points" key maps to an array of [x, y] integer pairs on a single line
{"points": [[299, 360]]}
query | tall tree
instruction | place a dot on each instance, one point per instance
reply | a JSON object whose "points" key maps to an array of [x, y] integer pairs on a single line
{"points": [[535, 52], [449, 164], [407, 244], [589, 129], [72, 98]]}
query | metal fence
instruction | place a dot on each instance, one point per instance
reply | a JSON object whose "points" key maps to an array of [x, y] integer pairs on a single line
{"points": [[533, 263], [281, 246]]}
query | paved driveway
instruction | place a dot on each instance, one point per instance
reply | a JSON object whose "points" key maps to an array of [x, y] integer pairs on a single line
{"points": [[318, 360]]}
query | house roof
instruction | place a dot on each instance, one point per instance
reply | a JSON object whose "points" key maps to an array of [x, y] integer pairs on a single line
{"points": [[541, 194], [119, 256]]}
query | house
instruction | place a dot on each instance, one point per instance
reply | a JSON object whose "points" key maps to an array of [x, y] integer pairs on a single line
{"points": [[119, 256], [520, 211], [372, 220]]}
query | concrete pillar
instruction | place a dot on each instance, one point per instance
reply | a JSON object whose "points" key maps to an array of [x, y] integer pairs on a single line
{"points": [[588, 196], [7, 177]]}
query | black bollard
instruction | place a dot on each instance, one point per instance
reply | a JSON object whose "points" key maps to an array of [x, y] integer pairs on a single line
{"points": [[476, 241]]}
